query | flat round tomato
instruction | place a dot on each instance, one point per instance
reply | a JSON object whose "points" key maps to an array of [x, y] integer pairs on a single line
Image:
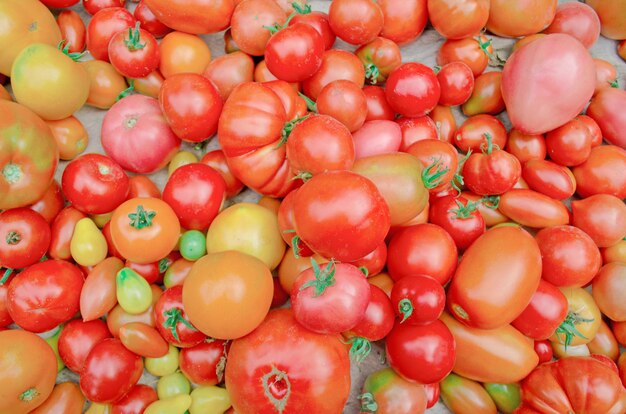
{"points": [[356, 21], [457, 83], [412, 89], [544, 314], [77, 339], [204, 364], [608, 288], [345, 101], [95, 184], [135, 401], [105, 24], [24, 237], [198, 16], [486, 96], [459, 217], [336, 64], [52, 288], [385, 392], [263, 377], [30, 371], [183, 53], [601, 216], [294, 53], [404, 20], [149, 21], [248, 24], [458, 19], [134, 54], [242, 287], [520, 19]]}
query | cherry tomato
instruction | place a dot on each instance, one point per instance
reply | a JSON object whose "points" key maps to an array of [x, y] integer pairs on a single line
{"points": [[73, 30], [204, 364], [336, 65], [320, 22], [459, 217], [457, 83], [412, 89], [418, 300], [135, 401], [544, 351], [570, 144], [248, 24], [549, 178], [135, 53], [380, 57], [294, 53], [105, 24], [356, 21], [345, 101], [472, 134], [149, 21], [183, 53], [24, 237], [464, 396], [77, 339], [474, 52], [217, 161], [601, 216], [404, 20], [377, 106], [422, 128], [172, 322], [606, 75]]}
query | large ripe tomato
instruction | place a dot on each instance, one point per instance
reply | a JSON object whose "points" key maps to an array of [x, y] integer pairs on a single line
{"points": [[458, 19], [144, 230], [502, 355], [582, 321], [568, 87], [608, 290], [77, 339], [507, 259], [345, 101], [486, 96], [110, 371], [336, 65], [134, 54], [29, 367], [494, 171], [412, 89], [385, 392], [404, 20], [569, 256], [24, 237], [459, 217], [322, 292], [228, 71], [197, 16], [24, 22], [242, 288], [45, 295], [549, 178], [277, 368], [248, 24], [596, 175], [577, 20], [604, 110], [474, 52], [601, 216], [613, 21], [294, 53], [204, 364], [195, 192], [544, 314], [356, 21], [105, 24], [516, 19], [341, 215], [533, 209], [380, 57], [576, 385], [95, 184]]}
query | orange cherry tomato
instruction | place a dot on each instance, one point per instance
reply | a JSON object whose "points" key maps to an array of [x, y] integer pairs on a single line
{"points": [[143, 340], [183, 53], [177, 272], [105, 83], [66, 398], [71, 137]]}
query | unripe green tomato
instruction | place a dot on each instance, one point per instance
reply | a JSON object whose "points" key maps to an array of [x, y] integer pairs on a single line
{"points": [[165, 365], [193, 245], [172, 385], [506, 396], [53, 341]]}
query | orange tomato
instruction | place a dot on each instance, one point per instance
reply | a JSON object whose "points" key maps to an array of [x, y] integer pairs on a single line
{"points": [[105, 83], [604, 343], [619, 330], [29, 370], [615, 253], [464, 396], [228, 283], [291, 267], [520, 18], [383, 281], [143, 340], [149, 85], [71, 137], [4, 94], [270, 203], [144, 230], [609, 290], [98, 294], [66, 398], [183, 53], [527, 39]]}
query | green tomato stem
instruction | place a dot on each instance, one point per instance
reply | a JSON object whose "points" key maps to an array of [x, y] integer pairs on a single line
{"points": [[406, 309], [431, 175], [324, 278], [134, 38], [141, 218], [13, 237], [172, 317]]}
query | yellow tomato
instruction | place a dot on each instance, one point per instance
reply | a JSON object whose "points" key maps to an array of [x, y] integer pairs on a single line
{"points": [[88, 245], [23, 22], [53, 341], [71, 137], [96, 408], [582, 321], [209, 400], [133, 292], [165, 365], [172, 385], [560, 351], [183, 53], [174, 405], [248, 228], [105, 83], [181, 158]]}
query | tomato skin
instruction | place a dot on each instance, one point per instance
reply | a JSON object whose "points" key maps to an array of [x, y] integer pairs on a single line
{"points": [[533, 209], [404, 20], [472, 133], [464, 228], [570, 144], [73, 30], [52, 287], [601, 216], [103, 26], [548, 178], [576, 384], [135, 401], [609, 288], [418, 300], [24, 237], [468, 51], [378, 319], [70, 135], [280, 344], [604, 343], [491, 172], [412, 89], [134, 61], [584, 314], [464, 396], [408, 349], [457, 83], [77, 339], [543, 351], [149, 21], [424, 249], [520, 19], [182, 334], [611, 121], [117, 317], [336, 65], [204, 364], [377, 106], [228, 71], [613, 23], [294, 53], [183, 53], [98, 294], [217, 161], [247, 24], [595, 175], [545, 312], [614, 253], [345, 101], [320, 22], [374, 262], [66, 398], [62, 230], [356, 21], [380, 57], [486, 97], [377, 137], [394, 395], [105, 84], [110, 371], [526, 147], [197, 17], [444, 121], [458, 19]]}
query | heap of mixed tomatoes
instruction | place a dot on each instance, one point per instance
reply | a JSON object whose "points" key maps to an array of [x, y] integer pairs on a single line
{"points": [[490, 260]]}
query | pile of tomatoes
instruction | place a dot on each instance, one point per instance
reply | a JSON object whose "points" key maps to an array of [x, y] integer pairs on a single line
{"points": [[490, 262]]}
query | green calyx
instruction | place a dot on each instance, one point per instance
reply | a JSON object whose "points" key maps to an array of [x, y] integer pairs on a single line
{"points": [[310, 104], [492, 201], [464, 211], [567, 330], [133, 42], [287, 129], [372, 73], [488, 149], [12, 173], [299, 9], [126, 92], [360, 349], [295, 246], [13, 237], [142, 218], [302, 175], [406, 309], [614, 83], [431, 175], [368, 403], [174, 316], [324, 278], [29, 394], [164, 264], [66, 51], [364, 270]]}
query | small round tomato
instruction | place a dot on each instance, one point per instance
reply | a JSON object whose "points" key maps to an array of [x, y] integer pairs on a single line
{"points": [[439, 160], [418, 300], [144, 230], [494, 171], [73, 30], [336, 65], [459, 217], [134, 54], [24, 237], [135, 401], [345, 101], [228, 71], [320, 22], [377, 106], [95, 184], [526, 146], [608, 290], [77, 339], [105, 24], [378, 319], [473, 51], [412, 89], [597, 174], [486, 96], [472, 134], [249, 22], [183, 53], [457, 83], [385, 392], [110, 371], [105, 84], [601, 216], [143, 340], [172, 321], [570, 144], [544, 314], [543, 351], [149, 21], [380, 57], [204, 364], [294, 53], [356, 21], [417, 129]]}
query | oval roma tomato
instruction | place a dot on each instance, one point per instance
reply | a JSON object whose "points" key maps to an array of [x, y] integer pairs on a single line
{"points": [[576, 384], [328, 220], [144, 230], [66, 397], [28, 158], [29, 365], [605, 344], [486, 96], [105, 83], [197, 17], [520, 19], [172, 321], [110, 371], [464, 396], [242, 287], [134, 54], [412, 89], [458, 19], [294, 53], [77, 339], [544, 314], [404, 20], [105, 24], [608, 288], [143, 340], [24, 237], [505, 258], [276, 368], [73, 30], [595, 175], [52, 288], [533, 209], [385, 392], [550, 179], [602, 217]]}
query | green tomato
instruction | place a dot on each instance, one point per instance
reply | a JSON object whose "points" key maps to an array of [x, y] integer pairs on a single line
{"points": [[133, 291], [175, 405], [209, 400], [193, 245], [53, 341], [165, 365], [172, 385], [506, 396]]}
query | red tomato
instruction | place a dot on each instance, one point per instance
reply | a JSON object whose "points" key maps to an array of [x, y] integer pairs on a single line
{"points": [[356, 21], [444, 121], [59, 3], [77, 339], [94, 6], [412, 89], [594, 128], [421, 353], [543, 349], [142, 186], [597, 174], [249, 22], [548, 178], [472, 134], [459, 217], [487, 207], [276, 368], [204, 364], [62, 230], [404, 20], [486, 96], [326, 290], [606, 75], [418, 300], [197, 16], [345, 101], [458, 19], [217, 161], [24, 237], [526, 146], [570, 258], [45, 295], [191, 105], [110, 371], [457, 83], [5, 317], [424, 249], [432, 394], [143, 340], [280, 296], [494, 171], [378, 319], [105, 24], [51, 203], [532, 209], [601, 216], [380, 57], [422, 128], [336, 65], [374, 262], [228, 71], [577, 20], [328, 220], [196, 193], [134, 54], [377, 137], [172, 322], [95, 184], [520, 19], [509, 251], [294, 53], [604, 110], [377, 106], [135, 401], [149, 21], [474, 52], [287, 226], [570, 144], [544, 314], [320, 22], [73, 30]]}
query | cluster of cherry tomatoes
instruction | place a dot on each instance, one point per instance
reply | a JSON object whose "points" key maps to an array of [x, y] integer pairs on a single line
{"points": [[490, 260]]}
